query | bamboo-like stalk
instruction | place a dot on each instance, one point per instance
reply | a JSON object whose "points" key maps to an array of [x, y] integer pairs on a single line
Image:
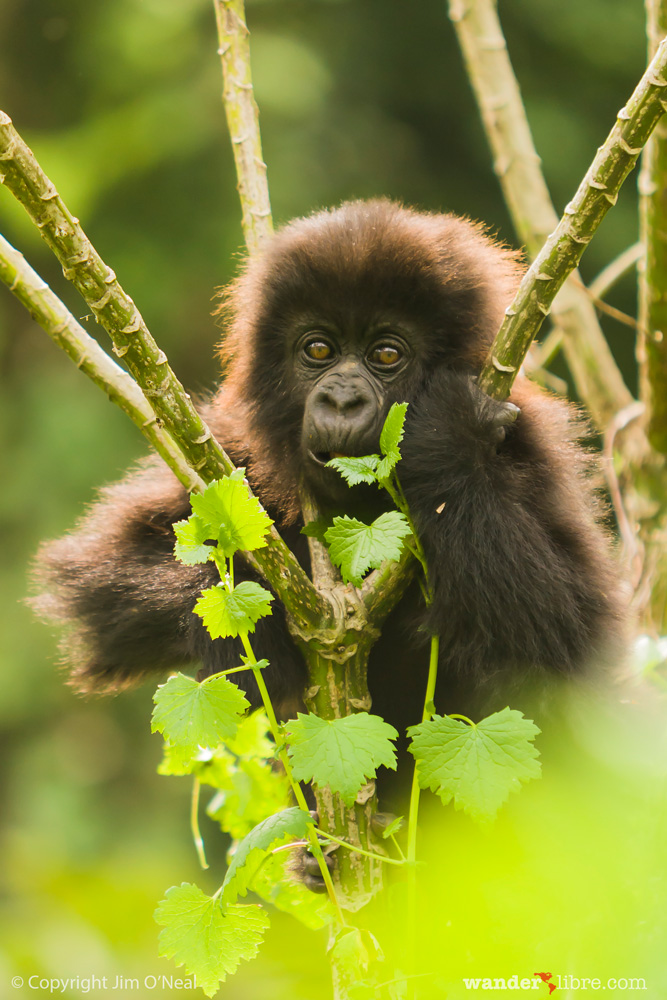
{"points": [[243, 121], [53, 316], [652, 341], [117, 313], [596, 376], [561, 254]]}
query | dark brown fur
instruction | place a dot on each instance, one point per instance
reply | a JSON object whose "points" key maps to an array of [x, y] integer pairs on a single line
{"points": [[524, 583]]}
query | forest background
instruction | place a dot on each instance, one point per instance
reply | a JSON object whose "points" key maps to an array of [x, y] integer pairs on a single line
{"points": [[121, 103]]}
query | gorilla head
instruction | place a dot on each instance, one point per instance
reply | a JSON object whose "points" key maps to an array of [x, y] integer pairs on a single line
{"points": [[346, 312]]}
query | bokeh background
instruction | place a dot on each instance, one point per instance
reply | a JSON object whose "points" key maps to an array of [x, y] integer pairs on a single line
{"points": [[121, 103]]}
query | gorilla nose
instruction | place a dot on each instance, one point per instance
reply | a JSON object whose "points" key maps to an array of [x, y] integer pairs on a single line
{"points": [[344, 400]]}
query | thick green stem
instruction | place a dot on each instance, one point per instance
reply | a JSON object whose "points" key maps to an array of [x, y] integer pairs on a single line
{"points": [[338, 687], [243, 121], [519, 170], [564, 248], [652, 342]]}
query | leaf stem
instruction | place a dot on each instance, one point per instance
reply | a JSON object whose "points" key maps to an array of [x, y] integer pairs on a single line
{"points": [[232, 670], [296, 787], [414, 811], [398, 847], [463, 718], [194, 824], [360, 850]]}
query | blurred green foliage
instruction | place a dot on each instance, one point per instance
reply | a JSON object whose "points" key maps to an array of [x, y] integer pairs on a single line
{"points": [[121, 103]]}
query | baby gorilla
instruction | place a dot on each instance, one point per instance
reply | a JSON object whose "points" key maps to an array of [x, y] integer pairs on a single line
{"points": [[340, 315]]}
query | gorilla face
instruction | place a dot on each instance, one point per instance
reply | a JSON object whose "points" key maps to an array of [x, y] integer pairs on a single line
{"points": [[349, 382]]}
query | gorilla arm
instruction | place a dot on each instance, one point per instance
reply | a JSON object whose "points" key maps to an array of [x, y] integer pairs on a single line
{"points": [[517, 562], [126, 602]]}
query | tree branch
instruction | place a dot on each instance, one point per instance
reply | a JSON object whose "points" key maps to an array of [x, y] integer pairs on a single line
{"points": [[117, 313], [46, 308], [652, 342], [564, 248], [243, 121], [518, 166]]}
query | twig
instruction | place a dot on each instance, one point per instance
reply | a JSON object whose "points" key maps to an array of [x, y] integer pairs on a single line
{"points": [[564, 248], [46, 308], [517, 164], [615, 270], [243, 121], [542, 356], [632, 555]]}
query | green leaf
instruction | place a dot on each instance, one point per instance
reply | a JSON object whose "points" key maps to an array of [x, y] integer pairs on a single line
{"points": [[178, 760], [190, 715], [274, 882], [393, 430], [340, 753], [390, 438], [356, 949], [476, 765], [249, 791], [191, 538], [235, 518], [249, 787], [227, 613], [251, 737], [317, 528], [356, 470], [357, 547], [293, 822], [393, 827], [208, 940]]}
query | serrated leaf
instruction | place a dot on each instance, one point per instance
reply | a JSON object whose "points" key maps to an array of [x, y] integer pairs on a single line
{"points": [[249, 791], [317, 529], [393, 827], [191, 538], [291, 822], [208, 940], [390, 438], [190, 715], [356, 547], [275, 883], [476, 765], [251, 739], [356, 470], [227, 613], [177, 760], [388, 464], [393, 429], [235, 518], [341, 753], [356, 949]]}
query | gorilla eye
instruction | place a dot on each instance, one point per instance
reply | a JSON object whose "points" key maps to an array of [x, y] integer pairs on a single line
{"points": [[318, 350], [385, 355]]}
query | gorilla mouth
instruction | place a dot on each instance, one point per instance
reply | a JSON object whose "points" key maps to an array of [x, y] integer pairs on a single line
{"points": [[322, 457]]}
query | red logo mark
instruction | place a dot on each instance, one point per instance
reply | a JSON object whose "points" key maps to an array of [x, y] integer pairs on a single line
{"points": [[545, 977]]}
